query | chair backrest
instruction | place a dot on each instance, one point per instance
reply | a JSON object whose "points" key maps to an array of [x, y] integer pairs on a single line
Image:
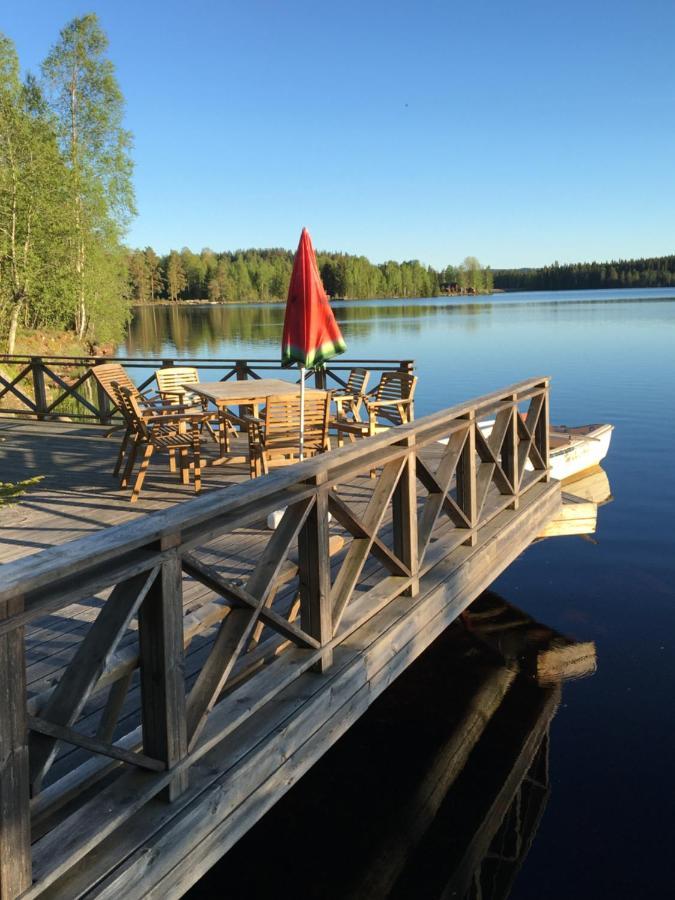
{"points": [[395, 386], [127, 400], [282, 422], [171, 378], [106, 373], [357, 381]]}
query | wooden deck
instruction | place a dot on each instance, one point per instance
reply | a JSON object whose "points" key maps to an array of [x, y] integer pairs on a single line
{"points": [[77, 494], [184, 668]]}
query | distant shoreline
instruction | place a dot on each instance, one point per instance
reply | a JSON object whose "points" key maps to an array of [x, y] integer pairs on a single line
{"points": [[255, 302], [505, 292]]}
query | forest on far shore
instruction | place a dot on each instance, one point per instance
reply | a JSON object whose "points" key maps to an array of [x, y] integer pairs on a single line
{"points": [[656, 271], [265, 274]]}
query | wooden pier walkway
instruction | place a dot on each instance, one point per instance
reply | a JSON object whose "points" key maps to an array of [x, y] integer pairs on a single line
{"points": [[169, 670]]}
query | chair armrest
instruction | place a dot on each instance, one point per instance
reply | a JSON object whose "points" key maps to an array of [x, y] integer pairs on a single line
{"points": [[374, 404], [165, 408], [177, 417], [150, 396]]}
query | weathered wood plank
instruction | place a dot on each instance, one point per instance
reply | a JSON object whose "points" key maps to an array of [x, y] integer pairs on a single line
{"points": [[160, 632], [316, 612], [15, 854]]}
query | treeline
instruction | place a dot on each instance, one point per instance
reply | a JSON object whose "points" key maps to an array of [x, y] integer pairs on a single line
{"points": [[263, 275], [66, 193], [654, 272]]}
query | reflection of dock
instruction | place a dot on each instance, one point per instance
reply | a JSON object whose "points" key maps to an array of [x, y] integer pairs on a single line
{"points": [[581, 498], [439, 790]]}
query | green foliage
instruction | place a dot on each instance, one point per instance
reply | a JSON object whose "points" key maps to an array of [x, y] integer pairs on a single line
{"points": [[35, 279], [261, 275], [652, 272], [11, 491], [65, 191], [87, 108]]}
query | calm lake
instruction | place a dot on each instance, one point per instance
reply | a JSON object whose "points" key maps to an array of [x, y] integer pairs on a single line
{"points": [[607, 828]]}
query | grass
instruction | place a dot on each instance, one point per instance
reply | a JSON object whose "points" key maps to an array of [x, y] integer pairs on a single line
{"points": [[11, 491]]}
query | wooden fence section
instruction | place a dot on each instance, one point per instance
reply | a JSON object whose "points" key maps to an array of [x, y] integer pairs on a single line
{"points": [[47, 387], [279, 683]]}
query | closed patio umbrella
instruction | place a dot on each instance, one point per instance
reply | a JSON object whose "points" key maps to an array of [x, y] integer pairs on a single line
{"points": [[311, 334]]}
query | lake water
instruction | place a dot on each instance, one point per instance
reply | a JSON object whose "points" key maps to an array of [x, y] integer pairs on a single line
{"points": [[608, 828]]}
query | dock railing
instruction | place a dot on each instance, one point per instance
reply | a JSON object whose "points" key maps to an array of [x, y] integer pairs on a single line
{"points": [[138, 569], [50, 387]]}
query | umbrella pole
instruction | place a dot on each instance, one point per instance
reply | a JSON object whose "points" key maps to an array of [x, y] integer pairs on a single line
{"points": [[302, 413]]}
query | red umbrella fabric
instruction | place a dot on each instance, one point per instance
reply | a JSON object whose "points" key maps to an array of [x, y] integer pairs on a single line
{"points": [[311, 334]]}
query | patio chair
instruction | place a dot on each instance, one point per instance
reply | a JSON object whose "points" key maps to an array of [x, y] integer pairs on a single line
{"points": [[390, 403], [170, 433], [349, 399], [273, 440], [170, 381], [107, 373]]}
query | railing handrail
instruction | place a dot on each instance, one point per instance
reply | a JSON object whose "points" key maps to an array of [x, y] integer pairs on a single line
{"points": [[211, 362], [32, 389], [195, 519]]}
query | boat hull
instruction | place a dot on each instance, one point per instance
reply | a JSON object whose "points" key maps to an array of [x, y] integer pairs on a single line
{"points": [[573, 450]]}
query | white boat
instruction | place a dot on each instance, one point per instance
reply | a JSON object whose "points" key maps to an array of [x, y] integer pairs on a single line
{"points": [[577, 449], [572, 449]]}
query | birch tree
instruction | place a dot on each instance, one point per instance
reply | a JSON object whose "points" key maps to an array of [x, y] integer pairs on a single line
{"points": [[88, 107], [34, 282]]}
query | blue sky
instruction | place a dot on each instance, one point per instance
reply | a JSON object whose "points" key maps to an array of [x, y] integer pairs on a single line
{"points": [[518, 132]]}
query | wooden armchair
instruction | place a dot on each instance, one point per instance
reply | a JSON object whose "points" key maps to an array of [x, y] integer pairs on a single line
{"points": [[349, 399], [177, 432], [170, 381], [107, 374], [390, 403], [274, 439]]}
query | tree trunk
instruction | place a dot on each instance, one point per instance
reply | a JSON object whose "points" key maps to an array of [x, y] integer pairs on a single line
{"points": [[13, 325]]}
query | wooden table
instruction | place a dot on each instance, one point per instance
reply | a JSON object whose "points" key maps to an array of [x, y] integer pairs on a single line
{"points": [[249, 393]]}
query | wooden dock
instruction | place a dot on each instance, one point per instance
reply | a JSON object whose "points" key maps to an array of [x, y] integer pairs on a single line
{"points": [[169, 670]]}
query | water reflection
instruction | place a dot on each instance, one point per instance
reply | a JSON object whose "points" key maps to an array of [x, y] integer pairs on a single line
{"points": [[222, 329], [439, 789], [582, 496]]}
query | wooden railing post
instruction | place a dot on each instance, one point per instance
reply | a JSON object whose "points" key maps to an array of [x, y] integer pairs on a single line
{"points": [[39, 386], [466, 479], [15, 852], [320, 378], [510, 452], [241, 368], [541, 435], [316, 615], [407, 365], [404, 517], [160, 627]]}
